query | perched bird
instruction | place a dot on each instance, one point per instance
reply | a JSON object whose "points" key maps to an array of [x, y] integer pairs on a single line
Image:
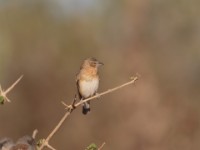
{"points": [[87, 81]]}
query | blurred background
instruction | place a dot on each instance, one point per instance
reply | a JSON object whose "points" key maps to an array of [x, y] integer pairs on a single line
{"points": [[47, 40]]}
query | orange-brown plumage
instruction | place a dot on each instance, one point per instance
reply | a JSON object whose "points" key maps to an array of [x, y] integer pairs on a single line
{"points": [[88, 81]]}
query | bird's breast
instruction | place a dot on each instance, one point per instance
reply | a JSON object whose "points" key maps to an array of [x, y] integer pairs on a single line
{"points": [[88, 88]]}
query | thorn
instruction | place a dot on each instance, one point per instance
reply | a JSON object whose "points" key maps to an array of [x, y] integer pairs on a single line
{"points": [[35, 132], [68, 107], [102, 146], [13, 85], [137, 74], [7, 99], [50, 147]]}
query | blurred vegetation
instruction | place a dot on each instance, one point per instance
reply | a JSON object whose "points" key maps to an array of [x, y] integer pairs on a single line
{"points": [[92, 147], [47, 40]]}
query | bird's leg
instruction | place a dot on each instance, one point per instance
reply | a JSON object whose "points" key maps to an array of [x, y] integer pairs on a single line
{"points": [[72, 106], [74, 102]]}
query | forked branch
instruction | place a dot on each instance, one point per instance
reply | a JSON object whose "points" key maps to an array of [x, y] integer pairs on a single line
{"points": [[3, 93], [74, 105]]}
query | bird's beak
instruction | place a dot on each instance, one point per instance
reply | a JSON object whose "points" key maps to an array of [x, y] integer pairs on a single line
{"points": [[100, 64]]}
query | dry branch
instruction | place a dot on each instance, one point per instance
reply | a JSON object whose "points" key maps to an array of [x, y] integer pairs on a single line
{"points": [[101, 146], [4, 93], [73, 106], [35, 132]]}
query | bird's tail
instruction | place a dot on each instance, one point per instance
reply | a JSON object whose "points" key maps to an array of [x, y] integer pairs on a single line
{"points": [[86, 108]]}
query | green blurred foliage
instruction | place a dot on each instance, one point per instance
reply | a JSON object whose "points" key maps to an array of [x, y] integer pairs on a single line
{"points": [[92, 147], [2, 100]]}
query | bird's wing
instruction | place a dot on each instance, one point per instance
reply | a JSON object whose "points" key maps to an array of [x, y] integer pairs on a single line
{"points": [[77, 85]]}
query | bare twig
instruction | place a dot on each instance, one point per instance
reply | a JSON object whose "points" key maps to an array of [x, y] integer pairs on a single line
{"points": [[35, 132], [101, 146], [106, 92], [50, 147], [4, 93], [73, 106], [13, 85], [46, 142]]}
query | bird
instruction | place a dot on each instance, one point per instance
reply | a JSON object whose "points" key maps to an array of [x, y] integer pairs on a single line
{"points": [[87, 81]]}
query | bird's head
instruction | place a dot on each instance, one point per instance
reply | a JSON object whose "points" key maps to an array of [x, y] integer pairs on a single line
{"points": [[92, 62]]}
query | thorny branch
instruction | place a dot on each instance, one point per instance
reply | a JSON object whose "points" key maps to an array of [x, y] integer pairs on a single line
{"points": [[3, 93], [73, 106]]}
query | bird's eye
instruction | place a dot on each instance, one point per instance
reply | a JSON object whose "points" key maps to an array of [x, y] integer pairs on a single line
{"points": [[93, 64]]}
